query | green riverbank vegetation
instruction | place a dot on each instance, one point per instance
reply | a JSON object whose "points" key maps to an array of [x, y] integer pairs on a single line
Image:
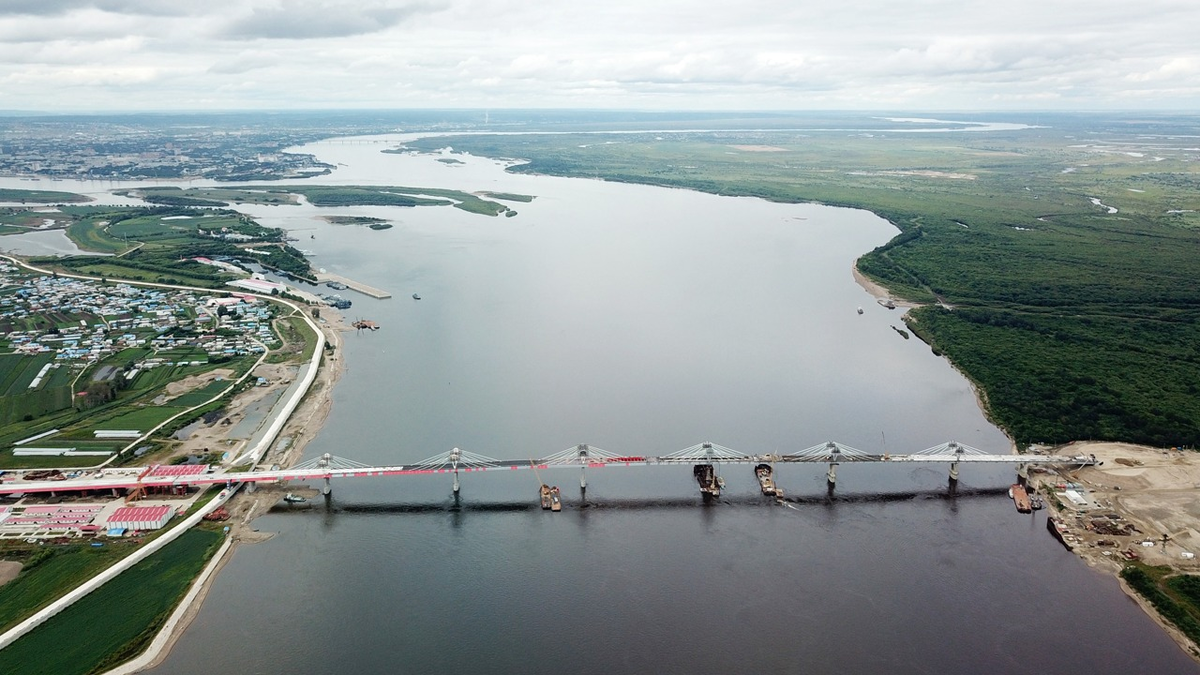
{"points": [[1176, 597], [1056, 263], [333, 195]]}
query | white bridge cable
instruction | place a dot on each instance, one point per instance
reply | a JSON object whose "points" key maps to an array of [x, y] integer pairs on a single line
{"points": [[578, 455], [328, 461], [951, 448], [456, 459], [704, 452], [830, 451]]}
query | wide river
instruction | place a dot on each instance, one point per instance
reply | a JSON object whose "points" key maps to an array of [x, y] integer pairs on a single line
{"points": [[642, 320]]}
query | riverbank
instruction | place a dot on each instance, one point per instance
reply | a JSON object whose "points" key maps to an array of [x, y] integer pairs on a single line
{"points": [[303, 425], [1151, 489], [880, 293]]}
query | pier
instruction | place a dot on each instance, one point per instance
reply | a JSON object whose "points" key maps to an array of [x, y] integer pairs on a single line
{"points": [[354, 285]]}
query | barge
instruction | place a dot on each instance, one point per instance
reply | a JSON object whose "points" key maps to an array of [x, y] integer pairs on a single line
{"points": [[766, 480], [1020, 498], [710, 484]]}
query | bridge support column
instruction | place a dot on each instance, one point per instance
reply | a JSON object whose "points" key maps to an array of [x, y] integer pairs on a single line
{"points": [[831, 476], [455, 454], [953, 476], [1023, 475], [323, 463], [583, 462]]}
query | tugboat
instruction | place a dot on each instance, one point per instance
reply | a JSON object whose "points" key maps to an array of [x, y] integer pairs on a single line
{"points": [[766, 481], [555, 502], [710, 485], [547, 499]]}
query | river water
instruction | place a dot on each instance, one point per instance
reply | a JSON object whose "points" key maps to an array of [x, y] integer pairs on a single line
{"points": [[643, 320]]}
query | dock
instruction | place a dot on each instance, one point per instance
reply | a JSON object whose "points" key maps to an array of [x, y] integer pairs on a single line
{"points": [[354, 285]]}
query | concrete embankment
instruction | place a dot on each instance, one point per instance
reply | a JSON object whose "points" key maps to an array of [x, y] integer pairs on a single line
{"points": [[355, 285]]}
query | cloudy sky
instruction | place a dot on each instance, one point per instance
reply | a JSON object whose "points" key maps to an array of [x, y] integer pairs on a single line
{"points": [[82, 55]]}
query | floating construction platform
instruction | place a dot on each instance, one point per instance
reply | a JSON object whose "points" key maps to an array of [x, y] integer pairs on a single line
{"points": [[353, 285]]}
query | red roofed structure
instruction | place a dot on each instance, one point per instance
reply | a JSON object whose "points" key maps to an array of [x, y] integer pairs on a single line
{"points": [[140, 517], [177, 470]]}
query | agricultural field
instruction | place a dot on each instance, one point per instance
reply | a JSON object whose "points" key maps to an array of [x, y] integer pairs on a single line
{"points": [[46, 573], [88, 636], [1072, 243]]}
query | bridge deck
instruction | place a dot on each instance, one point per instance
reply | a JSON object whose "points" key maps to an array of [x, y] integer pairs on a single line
{"points": [[129, 478]]}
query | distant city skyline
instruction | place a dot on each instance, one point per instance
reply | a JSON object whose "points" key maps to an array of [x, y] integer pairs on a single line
{"points": [[129, 55]]}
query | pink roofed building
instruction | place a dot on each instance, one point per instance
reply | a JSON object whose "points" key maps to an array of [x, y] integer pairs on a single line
{"points": [[140, 517]]}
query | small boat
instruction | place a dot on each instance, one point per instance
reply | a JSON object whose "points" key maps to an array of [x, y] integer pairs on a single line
{"points": [[294, 499], [766, 481], [416, 297], [860, 310], [544, 493], [555, 502]]}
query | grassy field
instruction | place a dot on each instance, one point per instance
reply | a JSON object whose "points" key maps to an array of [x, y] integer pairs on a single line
{"points": [[156, 244], [299, 341], [1176, 597], [115, 622], [1072, 245], [64, 568], [174, 196], [40, 196], [346, 195]]}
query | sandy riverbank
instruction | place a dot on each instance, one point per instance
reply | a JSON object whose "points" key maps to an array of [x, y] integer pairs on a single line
{"points": [[303, 425], [878, 292], [1154, 490]]}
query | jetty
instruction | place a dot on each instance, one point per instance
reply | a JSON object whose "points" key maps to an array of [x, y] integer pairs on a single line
{"points": [[354, 285]]}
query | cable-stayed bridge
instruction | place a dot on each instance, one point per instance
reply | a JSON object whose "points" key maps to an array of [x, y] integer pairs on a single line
{"points": [[583, 457]]}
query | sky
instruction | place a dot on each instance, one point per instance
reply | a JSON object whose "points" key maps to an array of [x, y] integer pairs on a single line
{"points": [[128, 55]]}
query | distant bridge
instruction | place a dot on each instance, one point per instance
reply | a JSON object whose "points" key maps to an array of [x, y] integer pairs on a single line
{"points": [[583, 457]]}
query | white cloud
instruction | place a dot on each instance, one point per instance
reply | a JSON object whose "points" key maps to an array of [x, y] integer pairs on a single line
{"points": [[622, 53]]}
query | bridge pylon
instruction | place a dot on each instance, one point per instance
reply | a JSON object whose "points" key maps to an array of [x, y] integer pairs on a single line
{"points": [[583, 462], [959, 451], [323, 463]]}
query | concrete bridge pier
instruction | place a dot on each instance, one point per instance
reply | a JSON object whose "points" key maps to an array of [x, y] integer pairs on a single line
{"points": [[831, 477], [953, 476], [323, 463], [455, 455], [583, 462], [1023, 475]]}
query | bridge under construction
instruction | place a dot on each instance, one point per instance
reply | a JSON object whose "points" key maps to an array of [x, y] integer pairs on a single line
{"points": [[583, 457]]}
